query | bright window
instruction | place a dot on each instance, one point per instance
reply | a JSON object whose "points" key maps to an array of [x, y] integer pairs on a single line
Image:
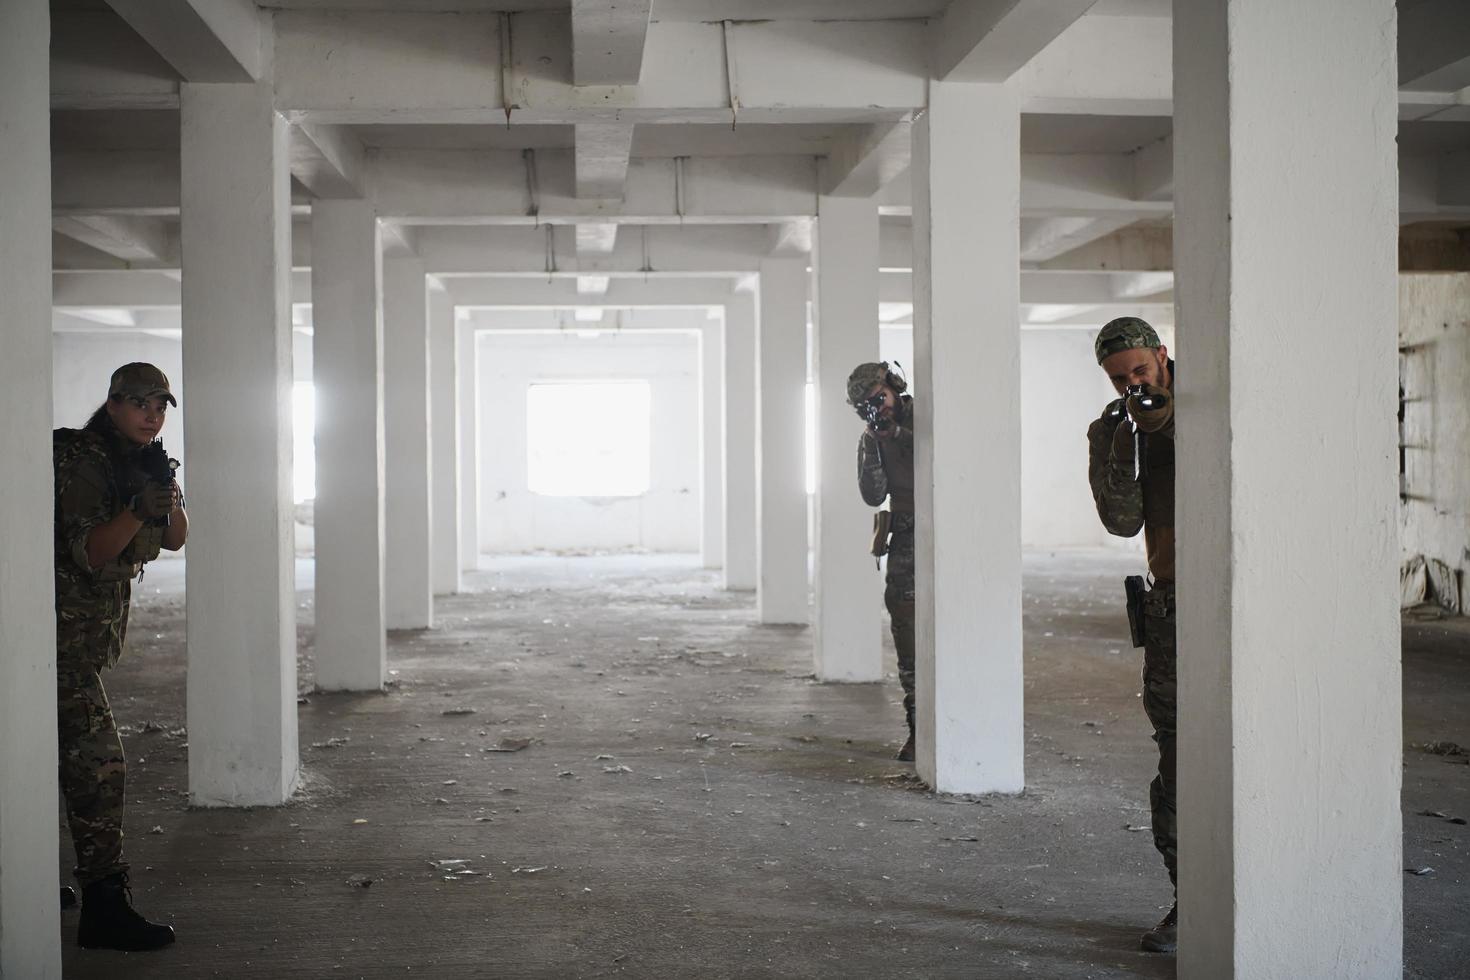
{"points": [[303, 438], [588, 439]]}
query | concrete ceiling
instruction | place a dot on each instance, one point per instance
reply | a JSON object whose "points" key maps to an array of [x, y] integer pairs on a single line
{"points": [[689, 10], [664, 140], [1056, 133]]}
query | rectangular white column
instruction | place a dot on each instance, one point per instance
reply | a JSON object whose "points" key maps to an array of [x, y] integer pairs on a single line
{"points": [[347, 356], [444, 412], [407, 439], [235, 198], [467, 367], [847, 585], [1290, 858], [739, 425], [29, 920], [712, 443], [967, 179], [780, 408]]}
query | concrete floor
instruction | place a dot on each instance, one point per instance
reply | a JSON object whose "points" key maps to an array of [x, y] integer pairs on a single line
{"points": [[691, 804]]}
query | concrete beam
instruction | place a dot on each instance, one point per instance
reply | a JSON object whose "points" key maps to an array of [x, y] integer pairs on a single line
{"points": [[490, 187], [597, 238], [988, 40], [204, 40], [136, 182], [608, 41], [127, 237], [862, 162], [139, 289], [1433, 50], [602, 151], [789, 239], [447, 68], [1046, 238], [562, 293], [327, 160], [523, 251], [1059, 288], [1118, 66], [1140, 248], [97, 62], [1153, 171]]}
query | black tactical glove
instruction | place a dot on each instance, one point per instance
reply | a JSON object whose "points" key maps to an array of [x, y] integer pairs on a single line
{"points": [[1122, 453], [153, 502]]}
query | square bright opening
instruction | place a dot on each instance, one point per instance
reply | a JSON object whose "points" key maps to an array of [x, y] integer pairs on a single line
{"points": [[588, 439]]}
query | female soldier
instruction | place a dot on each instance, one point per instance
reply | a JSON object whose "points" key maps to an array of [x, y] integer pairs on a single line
{"points": [[112, 517]]}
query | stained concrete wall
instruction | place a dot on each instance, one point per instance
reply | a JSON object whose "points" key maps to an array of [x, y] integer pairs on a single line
{"points": [[666, 518], [1434, 337]]}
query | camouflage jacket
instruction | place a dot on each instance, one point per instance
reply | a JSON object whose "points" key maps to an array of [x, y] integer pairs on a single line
{"points": [[886, 466], [92, 604], [1126, 505]]}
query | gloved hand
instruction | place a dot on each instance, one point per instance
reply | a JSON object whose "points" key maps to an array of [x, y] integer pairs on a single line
{"points": [[1154, 419], [1121, 455], [153, 502]]}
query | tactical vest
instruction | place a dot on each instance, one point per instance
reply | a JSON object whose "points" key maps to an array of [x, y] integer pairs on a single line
{"points": [[67, 446], [898, 462]]}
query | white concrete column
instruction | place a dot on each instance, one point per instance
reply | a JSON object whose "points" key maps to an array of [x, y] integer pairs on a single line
{"points": [[847, 585], [444, 412], [781, 539], [29, 922], [235, 197], [967, 178], [347, 357], [410, 600], [739, 425], [712, 443], [1290, 731], [467, 368]]}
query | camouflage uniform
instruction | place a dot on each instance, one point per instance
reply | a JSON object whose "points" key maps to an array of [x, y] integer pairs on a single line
{"points": [[1125, 505], [886, 470], [92, 474]]}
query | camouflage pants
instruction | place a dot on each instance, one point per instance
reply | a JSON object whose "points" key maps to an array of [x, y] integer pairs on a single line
{"points": [[898, 596], [93, 772], [1161, 705]]}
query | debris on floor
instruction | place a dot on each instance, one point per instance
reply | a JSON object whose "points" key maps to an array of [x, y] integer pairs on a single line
{"points": [[509, 745]]}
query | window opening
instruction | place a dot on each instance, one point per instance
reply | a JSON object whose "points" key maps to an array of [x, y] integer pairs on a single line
{"points": [[589, 439]]}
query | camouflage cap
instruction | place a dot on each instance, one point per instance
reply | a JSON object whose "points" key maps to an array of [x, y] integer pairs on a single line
{"points": [[1124, 333], [863, 377], [140, 380]]}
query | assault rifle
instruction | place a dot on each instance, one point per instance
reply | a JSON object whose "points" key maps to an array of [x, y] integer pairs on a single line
{"points": [[152, 464], [1147, 403], [871, 409]]}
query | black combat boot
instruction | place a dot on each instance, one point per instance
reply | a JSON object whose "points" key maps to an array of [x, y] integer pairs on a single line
{"points": [[110, 922], [1164, 937], [906, 754], [68, 897]]}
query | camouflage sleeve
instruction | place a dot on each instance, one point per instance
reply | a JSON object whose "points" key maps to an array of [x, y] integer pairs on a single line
{"points": [[83, 501], [1118, 496], [872, 481]]}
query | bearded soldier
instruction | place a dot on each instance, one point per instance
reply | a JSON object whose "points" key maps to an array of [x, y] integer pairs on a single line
{"points": [[116, 507], [1131, 469], [886, 471]]}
